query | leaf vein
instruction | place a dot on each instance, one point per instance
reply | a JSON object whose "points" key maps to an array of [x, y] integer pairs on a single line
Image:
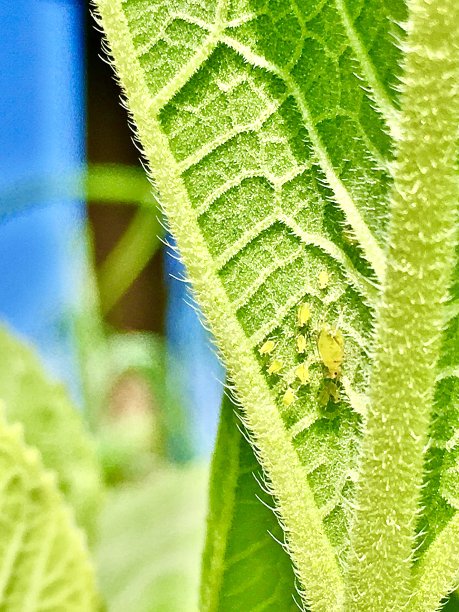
{"points": [[202, 54], [381, 97], [342, 197]]}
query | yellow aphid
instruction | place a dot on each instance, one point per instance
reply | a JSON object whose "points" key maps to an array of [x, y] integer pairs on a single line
{"points": [[323, 279], [302, 373], [329, 391], [304, 314], [334, 391], [275, 367], [267, 347], [331, 350], [289, 397], [301, 343]]}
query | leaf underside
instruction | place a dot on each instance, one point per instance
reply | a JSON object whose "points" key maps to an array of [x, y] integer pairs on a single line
{"points": [[277, 117]]}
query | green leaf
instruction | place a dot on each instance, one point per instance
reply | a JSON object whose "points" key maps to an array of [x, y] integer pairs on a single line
{"points": [[235, 140], [244, 564], [452, 605], [150, 542], [53, 425], [44, 562], [270, 129]]}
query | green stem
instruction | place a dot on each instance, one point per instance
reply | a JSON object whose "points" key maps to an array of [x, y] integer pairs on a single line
{"points": [[411, 314], [128, 258], [90, 339], [100, 183], [118, 183]]}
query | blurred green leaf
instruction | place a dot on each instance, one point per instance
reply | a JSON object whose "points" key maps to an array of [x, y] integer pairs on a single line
{"points": [[452, 604], [244, 567], [53, 425], [44, 561], [150, 544], [147, 354]]}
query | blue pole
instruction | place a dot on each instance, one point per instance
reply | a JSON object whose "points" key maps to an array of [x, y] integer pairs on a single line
{"points": [[42, 136]]}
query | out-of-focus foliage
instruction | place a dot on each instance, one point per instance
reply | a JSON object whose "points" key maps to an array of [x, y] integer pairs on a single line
{"points": [[104, 184], [53, 425], [144, 416], [147, 355], [150, 541], [44, 561], [452, 604]]}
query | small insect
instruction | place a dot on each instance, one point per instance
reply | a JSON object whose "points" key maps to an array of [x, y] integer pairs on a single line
{"points": [[302, 373], [289, 397], [300, 343], [275, 367], [323, 279], [329, 391], [267, 347], [331, 350], [304, 314]]}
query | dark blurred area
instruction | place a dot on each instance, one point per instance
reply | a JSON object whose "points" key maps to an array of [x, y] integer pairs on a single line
{"points": [[110, 140]]}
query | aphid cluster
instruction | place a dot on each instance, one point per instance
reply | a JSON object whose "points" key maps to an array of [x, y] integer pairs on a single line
{"points": [[328, 350]]}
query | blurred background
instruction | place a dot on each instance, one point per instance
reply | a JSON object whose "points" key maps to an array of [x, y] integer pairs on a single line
{"points": [[92, 284]]}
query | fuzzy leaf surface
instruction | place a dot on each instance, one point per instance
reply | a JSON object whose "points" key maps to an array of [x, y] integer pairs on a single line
{"points": [[268, 127]]}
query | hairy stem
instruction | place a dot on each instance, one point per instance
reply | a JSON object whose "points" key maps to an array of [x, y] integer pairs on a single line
{"points": [[411, 314]]}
